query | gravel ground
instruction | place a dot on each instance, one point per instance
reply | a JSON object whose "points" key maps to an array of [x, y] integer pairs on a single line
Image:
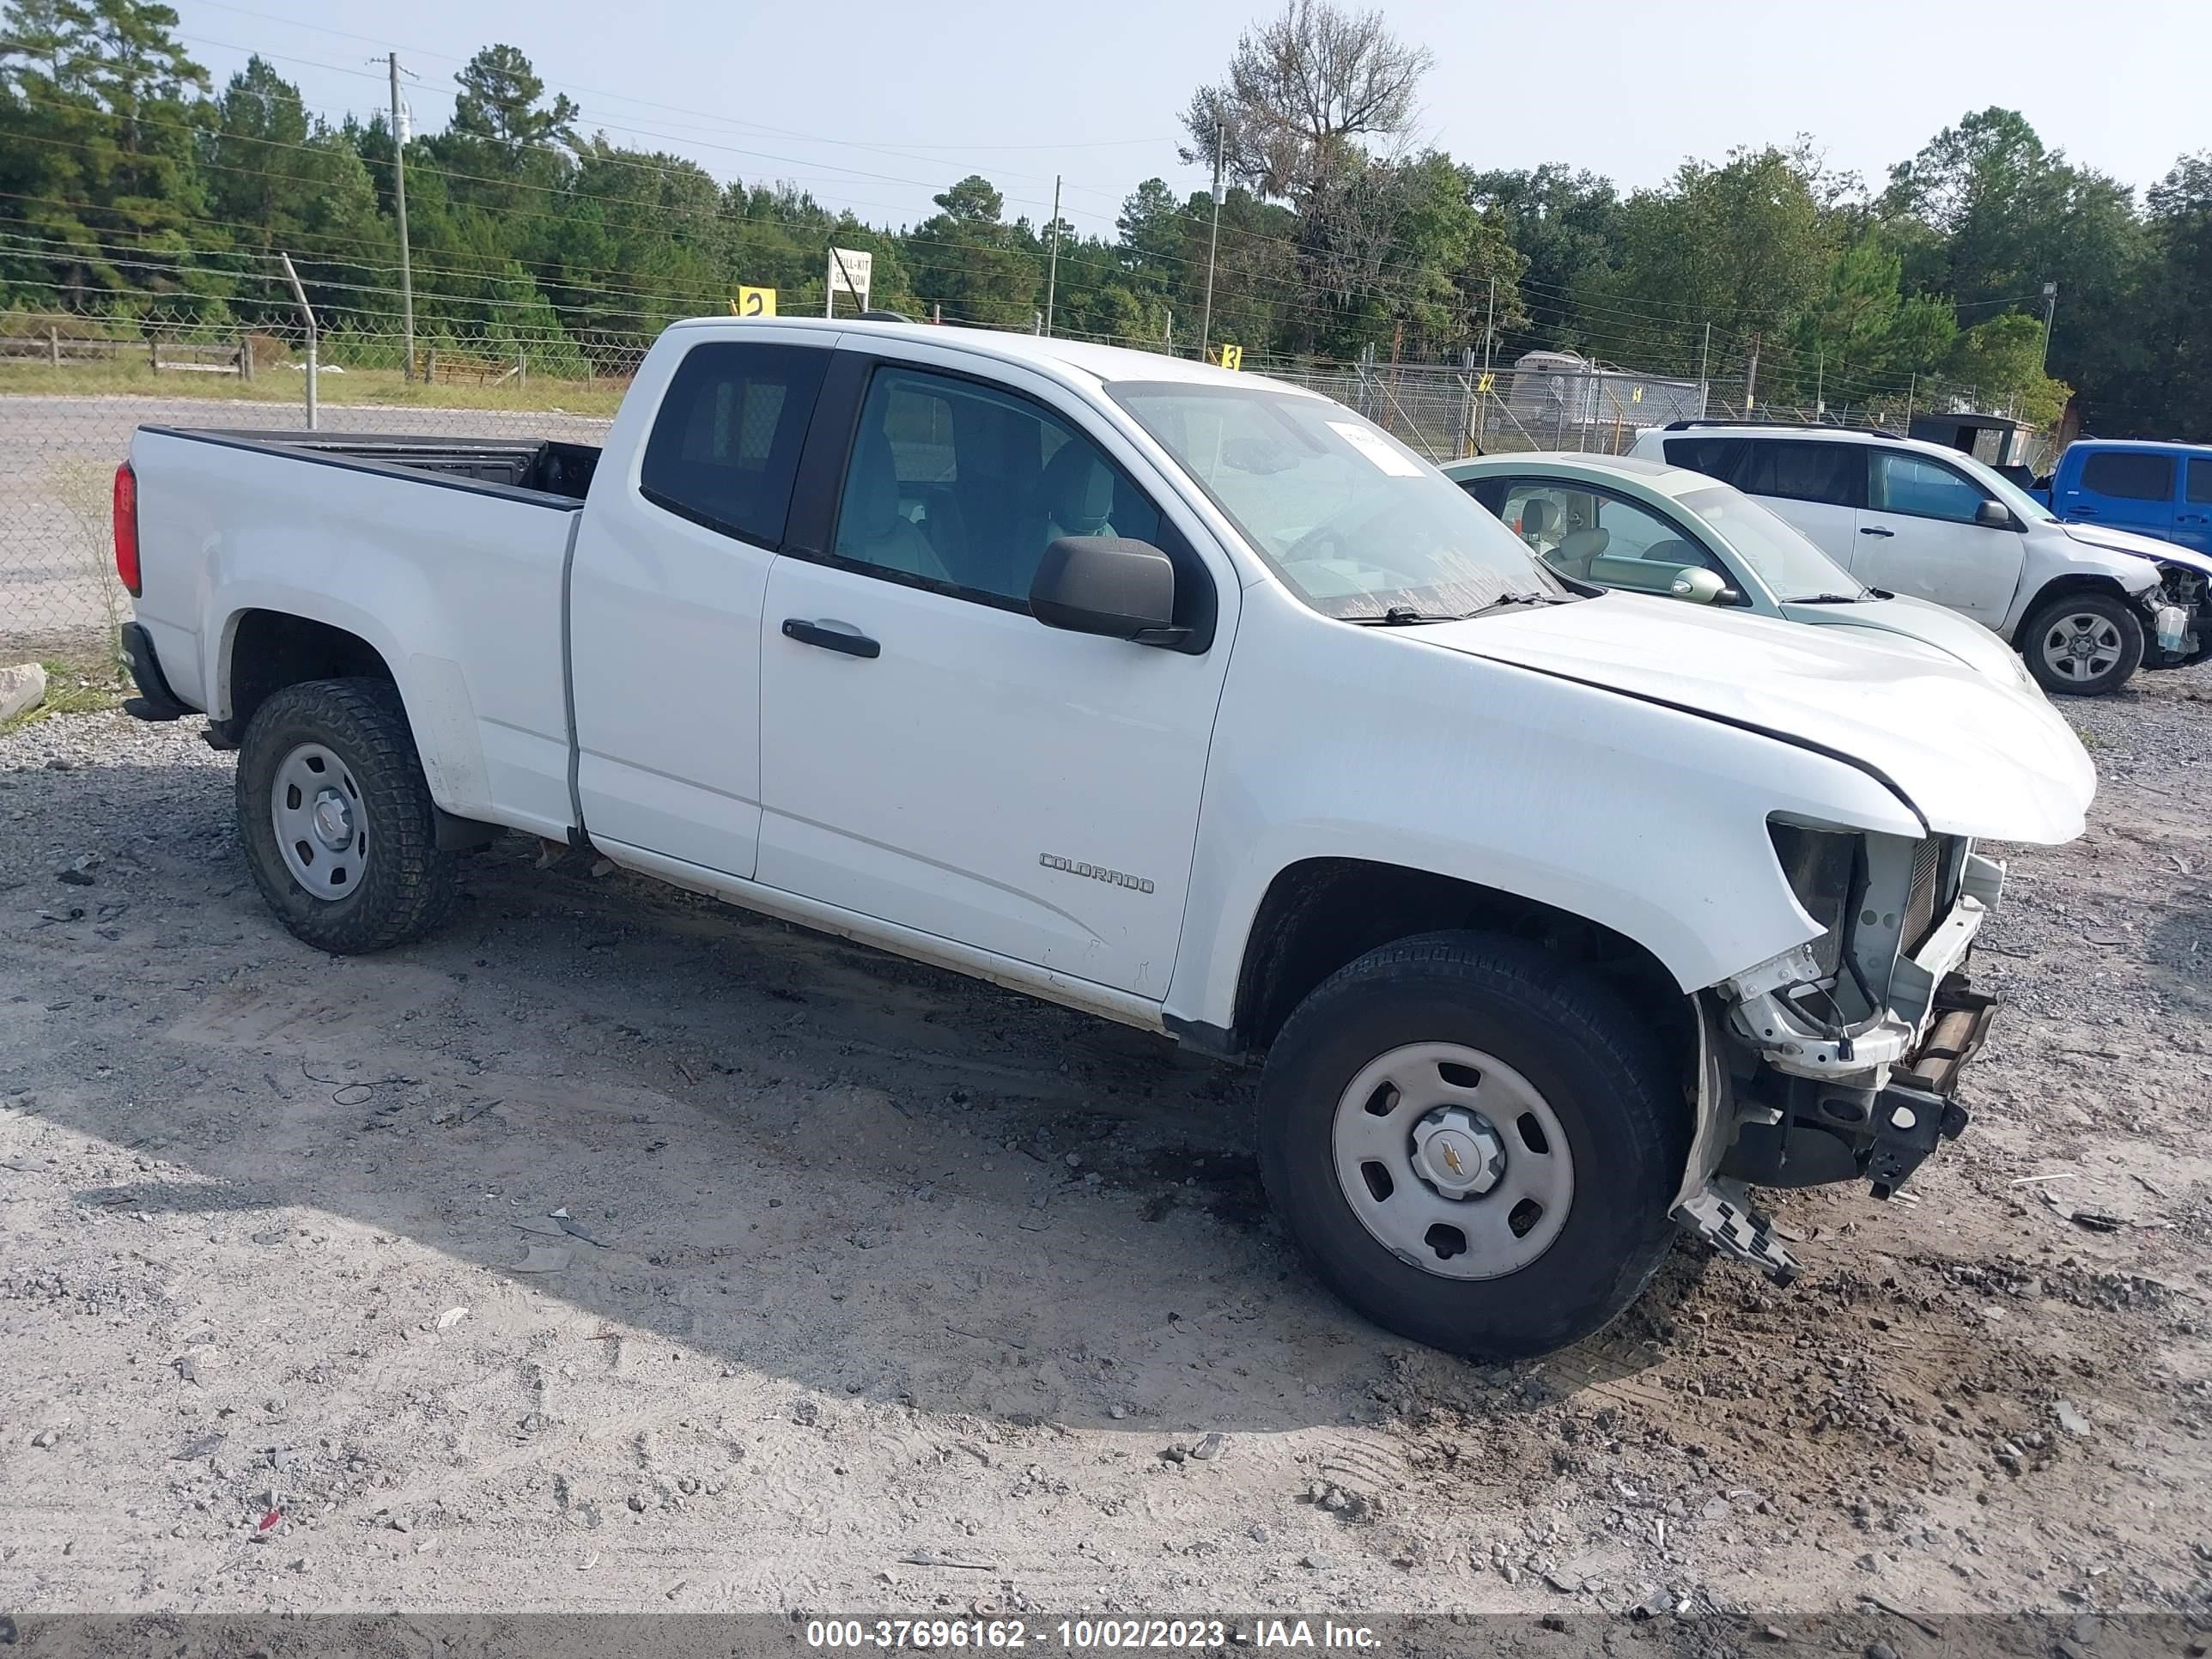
{"points": [[882, 1289]]}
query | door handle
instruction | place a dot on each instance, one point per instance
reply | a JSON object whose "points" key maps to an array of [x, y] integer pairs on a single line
{"points": [[2081, 511], [1874, 529], [830, 639], [2189, 518]]}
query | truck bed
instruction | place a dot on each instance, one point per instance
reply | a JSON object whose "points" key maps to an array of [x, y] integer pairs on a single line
{"points": [[444, 554], [536, 467]]}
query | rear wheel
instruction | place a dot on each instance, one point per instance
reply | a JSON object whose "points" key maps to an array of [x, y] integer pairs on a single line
{"points": [[1473, 1145], [2083, 645], [336, 819]]}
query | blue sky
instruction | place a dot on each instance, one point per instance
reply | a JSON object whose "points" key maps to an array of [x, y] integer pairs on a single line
{"points": [[877, 107]]}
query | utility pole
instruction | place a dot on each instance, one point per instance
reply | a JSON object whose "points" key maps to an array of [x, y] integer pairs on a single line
{"points": [[399, 210], [1489, 341], [1820, 384], [1751, 375], [1206, 322], [1052, 277], [2050, 311], [307, 314], [1705, 354]]}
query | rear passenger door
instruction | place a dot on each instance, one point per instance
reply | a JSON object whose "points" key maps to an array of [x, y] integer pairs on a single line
{"points": [[2192, 520], [2127, 488], [667, 579], [933, 757], [1918, 536]]}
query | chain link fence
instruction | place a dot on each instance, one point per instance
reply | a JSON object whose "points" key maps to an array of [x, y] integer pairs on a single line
{"points": [[73, 389], [72, 392]]}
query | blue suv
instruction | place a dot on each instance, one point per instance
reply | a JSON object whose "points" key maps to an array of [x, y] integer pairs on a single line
{"points": [[2151, 489]]}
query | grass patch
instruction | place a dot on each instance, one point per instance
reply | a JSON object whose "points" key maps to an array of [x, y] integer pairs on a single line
{"points": [[72, 687], [381, 387]]}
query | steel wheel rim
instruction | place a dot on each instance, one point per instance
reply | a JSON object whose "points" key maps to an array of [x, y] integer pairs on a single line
{"points": [[316, 807], [2082, 647], [1446, 1092]]}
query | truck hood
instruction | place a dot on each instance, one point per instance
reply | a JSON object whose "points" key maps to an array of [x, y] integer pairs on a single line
{"points": [[1971, 755], [2127, 541], [1929, 623]]}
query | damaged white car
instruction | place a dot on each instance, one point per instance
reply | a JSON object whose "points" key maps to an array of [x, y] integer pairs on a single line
{"points": [[1193, 701]]}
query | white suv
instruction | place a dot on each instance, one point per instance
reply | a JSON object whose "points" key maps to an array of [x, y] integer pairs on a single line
{"points": [[2083, 604]]}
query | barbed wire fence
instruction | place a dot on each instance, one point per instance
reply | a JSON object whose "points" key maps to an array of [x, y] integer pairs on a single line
{"points": [[74, 388]]}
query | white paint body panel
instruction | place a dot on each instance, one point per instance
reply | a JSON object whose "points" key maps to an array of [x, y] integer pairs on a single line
{"points": [[1618, 758], [459, 590]]}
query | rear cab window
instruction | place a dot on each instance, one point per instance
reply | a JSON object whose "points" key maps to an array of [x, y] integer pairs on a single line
{"points": [[2129, 475], [2200, 482], [725, 445]]}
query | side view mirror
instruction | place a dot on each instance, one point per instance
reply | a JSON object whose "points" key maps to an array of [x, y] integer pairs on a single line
{"points": [[1994, 515], [1107, 584], [1700, 587]]}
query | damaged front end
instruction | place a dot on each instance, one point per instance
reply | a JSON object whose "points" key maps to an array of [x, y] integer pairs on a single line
{"points": [[2180, 609], [1839, 1059]]}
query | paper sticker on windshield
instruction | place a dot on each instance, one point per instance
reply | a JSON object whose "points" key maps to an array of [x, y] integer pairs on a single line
{"points": [[1397, 466]]}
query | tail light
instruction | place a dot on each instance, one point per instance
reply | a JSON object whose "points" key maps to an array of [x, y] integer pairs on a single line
{"points": [[126, 528]]}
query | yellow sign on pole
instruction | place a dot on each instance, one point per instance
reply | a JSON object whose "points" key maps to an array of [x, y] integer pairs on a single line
{"points": [[1485, 380], [1636, 394], [754, 302], [1232, 357]]}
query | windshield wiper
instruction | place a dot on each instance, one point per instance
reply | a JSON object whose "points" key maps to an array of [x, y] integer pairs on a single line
{"points": [[1830, 599], [1404, 616], [1506, 599]]}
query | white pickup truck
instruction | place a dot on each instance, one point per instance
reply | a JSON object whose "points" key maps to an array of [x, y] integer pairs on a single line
{"points": [[1174, 694]]}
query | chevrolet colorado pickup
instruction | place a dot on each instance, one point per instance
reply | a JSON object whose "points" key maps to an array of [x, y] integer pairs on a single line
{"points": [[1171, 694]]}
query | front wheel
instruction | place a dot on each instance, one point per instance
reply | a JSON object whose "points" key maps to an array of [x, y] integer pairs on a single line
{"points": [[336, 819], [1473, 1145], [2083, 645]]}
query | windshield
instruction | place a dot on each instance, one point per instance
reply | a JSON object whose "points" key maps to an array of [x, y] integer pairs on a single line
{"points": [[2025, 506], [1779, 554], [1356, 523]]}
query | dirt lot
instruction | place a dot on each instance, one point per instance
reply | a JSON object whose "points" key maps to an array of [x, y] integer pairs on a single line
{"points": [[888, 1291]]}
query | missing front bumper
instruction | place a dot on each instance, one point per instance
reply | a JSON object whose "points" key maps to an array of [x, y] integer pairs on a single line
{"points": [[1915, 1111]]}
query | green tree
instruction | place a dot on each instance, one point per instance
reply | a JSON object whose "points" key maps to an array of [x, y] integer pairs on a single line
{"points": [[1742, 247], [97, 118], [499, 104], [2002, 360], [981, 270], [1566, 226]]}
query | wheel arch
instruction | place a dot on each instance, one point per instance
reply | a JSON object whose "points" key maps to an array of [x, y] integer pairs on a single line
{"points": [[1319, 914], [2061, 587]]}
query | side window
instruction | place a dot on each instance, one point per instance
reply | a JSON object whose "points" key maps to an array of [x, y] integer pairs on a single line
{"points": [[1490, 491], [2132, 476], [965, 486], [1834, 474], [1927, 488], [1542, 514], [1717, 458], [725, 446], [1598, 537], [2200, 482]]}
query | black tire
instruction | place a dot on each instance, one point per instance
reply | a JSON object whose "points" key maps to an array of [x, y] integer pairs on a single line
{"points": [[2037, 633], [408, 886], [1597, 1065]]}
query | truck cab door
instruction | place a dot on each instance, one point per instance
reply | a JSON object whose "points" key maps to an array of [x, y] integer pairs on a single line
{"points": [[1919, 537], [2127, 488], [934, 756], [666, 577]]}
